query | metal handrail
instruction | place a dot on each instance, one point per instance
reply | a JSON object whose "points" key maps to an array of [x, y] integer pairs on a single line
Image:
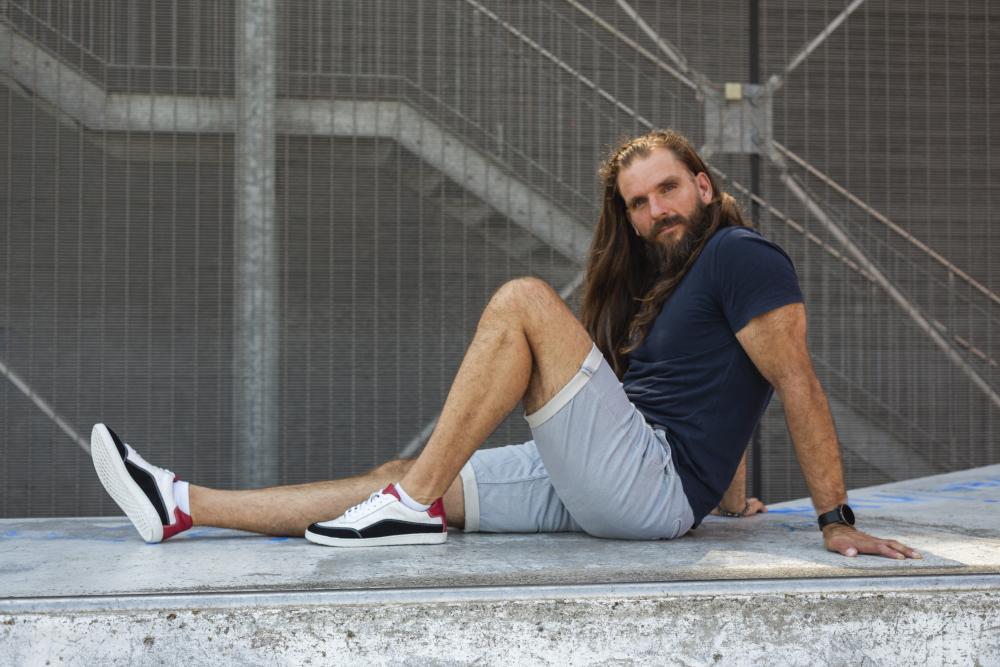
{"points": [[943, 261], [845, 260]]}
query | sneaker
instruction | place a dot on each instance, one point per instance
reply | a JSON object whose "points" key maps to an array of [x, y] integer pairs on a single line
{"points": [[144, 492], [382, 520]]}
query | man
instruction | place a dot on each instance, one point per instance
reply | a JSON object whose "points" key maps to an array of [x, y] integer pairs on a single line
{"points": [[697, 315]]}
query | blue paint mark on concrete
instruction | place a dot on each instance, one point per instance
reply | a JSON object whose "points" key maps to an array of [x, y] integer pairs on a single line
{"points": [[862, 504], [972, 485], [797, 527], [789, 510], [10, 533], [278, 539], [888, 497], [942, 496]]}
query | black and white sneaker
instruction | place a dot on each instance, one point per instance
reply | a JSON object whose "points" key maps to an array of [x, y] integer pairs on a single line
{"points": [[382, 520], [144, 492]]}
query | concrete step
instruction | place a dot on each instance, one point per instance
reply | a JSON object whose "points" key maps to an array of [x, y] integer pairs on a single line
{"points": [[750, 591]]}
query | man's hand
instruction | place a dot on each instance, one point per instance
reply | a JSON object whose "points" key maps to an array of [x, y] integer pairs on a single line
{"points": [[848, 541], [752, 506]]}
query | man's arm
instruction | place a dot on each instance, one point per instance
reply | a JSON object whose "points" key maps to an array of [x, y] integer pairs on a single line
{"points": [[776, 343]]}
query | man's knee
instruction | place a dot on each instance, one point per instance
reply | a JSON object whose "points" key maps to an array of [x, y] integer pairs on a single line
{"points": [[524, 292]]}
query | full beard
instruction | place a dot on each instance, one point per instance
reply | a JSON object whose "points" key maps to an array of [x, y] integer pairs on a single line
{"points": [[669, 257]]}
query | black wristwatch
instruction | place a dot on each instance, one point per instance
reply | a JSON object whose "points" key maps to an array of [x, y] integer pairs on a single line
{"points": [[839, 514]]}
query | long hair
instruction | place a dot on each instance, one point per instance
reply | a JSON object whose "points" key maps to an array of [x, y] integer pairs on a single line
{"points": [[624, 291]]}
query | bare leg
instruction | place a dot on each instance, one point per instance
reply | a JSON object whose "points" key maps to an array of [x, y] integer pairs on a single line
{"points": [[528, 345], [289, 510]]}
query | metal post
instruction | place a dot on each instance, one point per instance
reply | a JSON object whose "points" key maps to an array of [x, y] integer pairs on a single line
{"points": [[256, 342], [756, 455]]}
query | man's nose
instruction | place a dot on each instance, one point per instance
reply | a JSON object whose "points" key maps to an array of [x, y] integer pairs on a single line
{"points": [[657, 207]]}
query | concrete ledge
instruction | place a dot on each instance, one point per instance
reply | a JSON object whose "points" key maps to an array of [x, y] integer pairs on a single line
{"points": [[726, 628], [751, 591]]}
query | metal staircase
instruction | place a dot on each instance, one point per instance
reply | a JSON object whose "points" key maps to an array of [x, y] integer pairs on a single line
{"points": [[486, 179]]}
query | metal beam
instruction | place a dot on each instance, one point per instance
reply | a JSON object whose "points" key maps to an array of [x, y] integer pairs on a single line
{"points": [[256, 344], [43, 405], [940, 259], [778, 80], [84, 102], [879, 278], [662, 43], [561, 64], [673, 54]]}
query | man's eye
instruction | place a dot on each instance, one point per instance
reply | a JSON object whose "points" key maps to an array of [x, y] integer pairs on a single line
{"points": [[638, 203]]}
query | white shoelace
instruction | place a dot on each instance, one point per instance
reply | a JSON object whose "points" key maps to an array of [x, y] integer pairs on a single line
{"points": [[364, 503], [133, 456]]}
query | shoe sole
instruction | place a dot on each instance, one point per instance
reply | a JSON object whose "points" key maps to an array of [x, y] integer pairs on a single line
{"points": [[122, 488], [388, 540]]}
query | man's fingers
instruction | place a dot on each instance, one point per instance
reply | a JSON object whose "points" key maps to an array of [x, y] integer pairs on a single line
{"points": [[754, 506], [849, 542], [889, 552], [903, 549]]}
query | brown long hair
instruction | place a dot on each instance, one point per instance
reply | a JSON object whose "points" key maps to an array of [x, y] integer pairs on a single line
{"points": [[623, 292]]}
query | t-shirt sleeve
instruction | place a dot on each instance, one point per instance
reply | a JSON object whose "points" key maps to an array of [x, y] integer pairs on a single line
{"points": [[753, 276]]}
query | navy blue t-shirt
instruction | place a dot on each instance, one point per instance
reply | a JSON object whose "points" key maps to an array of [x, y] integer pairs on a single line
{"points": [[692, 377]]}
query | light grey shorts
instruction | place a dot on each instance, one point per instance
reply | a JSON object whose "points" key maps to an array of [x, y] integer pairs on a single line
{"points": [[594, 466]]}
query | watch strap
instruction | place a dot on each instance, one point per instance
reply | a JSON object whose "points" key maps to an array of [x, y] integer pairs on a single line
{"points": [[839, 514]]}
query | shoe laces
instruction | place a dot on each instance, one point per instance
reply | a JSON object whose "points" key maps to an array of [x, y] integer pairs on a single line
{"points": [[373, 498], [136, 458]]}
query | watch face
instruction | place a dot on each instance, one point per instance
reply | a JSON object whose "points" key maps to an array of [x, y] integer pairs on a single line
{"points": [[848, 514]]}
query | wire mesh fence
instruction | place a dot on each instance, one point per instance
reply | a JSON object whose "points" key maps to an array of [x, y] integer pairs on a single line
{"points": [[424, 152]]}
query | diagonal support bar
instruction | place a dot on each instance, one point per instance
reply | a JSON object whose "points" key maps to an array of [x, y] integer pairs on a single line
{"points": [[778, 80], [43, 405], [561, 64], [982, 289], [879, 278], [675, 56], [661, 42]]}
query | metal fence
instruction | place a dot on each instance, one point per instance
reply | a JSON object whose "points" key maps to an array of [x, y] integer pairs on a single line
{"points": [[255, 237]]}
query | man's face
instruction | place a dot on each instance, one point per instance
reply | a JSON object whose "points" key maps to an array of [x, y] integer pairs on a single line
{"points": [[665, 203]]}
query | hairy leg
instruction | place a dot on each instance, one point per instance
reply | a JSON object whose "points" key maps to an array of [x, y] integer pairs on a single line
{"points": [[289, 510], [528, 345]]}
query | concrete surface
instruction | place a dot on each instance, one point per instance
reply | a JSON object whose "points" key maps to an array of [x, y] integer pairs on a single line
{"points": [[745, 591]]}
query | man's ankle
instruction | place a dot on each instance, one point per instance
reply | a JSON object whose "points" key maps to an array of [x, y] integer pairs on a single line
{"points": [[405, 498]]}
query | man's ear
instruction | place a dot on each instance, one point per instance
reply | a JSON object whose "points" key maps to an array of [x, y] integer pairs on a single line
{"points": [[704, 187]]}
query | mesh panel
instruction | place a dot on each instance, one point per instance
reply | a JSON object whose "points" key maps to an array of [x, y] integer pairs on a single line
{"points": [[426, 151]]}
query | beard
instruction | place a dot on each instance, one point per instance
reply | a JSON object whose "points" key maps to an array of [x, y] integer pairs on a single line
{"points": [[669, 256]]}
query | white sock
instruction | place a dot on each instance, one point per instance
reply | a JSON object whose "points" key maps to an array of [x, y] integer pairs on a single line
{"points": [[181, 496], [405, 498]]}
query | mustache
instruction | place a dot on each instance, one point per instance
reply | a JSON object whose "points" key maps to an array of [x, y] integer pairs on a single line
{"points": [[660, 225]]}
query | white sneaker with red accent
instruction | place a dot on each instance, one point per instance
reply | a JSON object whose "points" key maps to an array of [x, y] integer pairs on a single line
{"points": [[382, 520], [144, 492]]}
